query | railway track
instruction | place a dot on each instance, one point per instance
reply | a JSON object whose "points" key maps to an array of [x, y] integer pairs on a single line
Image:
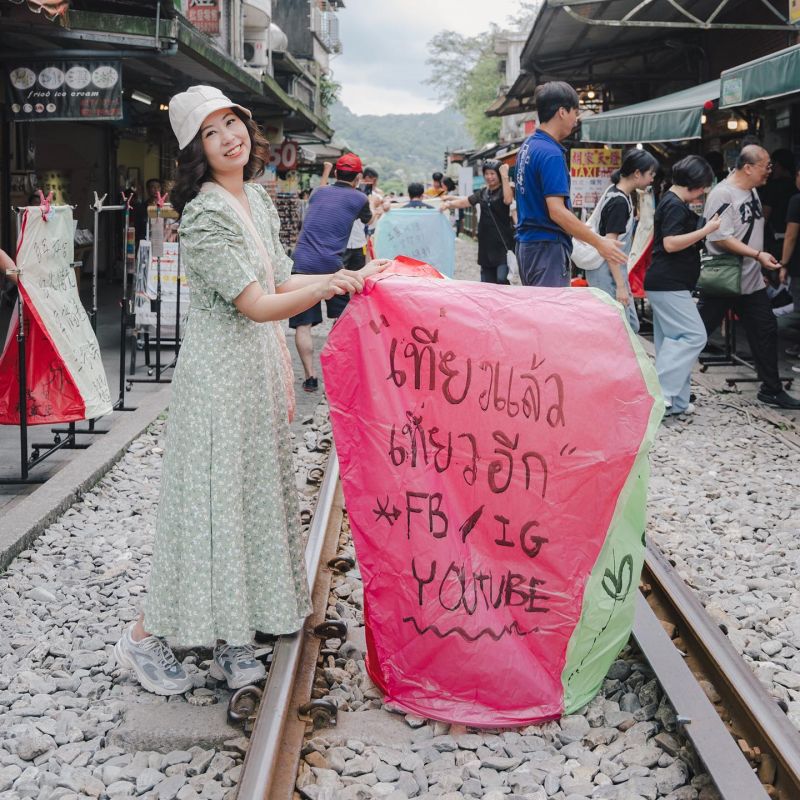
{"points": [[742, 739]]}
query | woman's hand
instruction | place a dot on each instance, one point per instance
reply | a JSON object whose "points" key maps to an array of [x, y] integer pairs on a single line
{"points": [[622, 295], [503, 170], [342, 282], [712, 225], [374, 267]]}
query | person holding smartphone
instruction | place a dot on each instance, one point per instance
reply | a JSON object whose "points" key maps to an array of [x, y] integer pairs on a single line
{"points": [[678, 331], [742, 233]]}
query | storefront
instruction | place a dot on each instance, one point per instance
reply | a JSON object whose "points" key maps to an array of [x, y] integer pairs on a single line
{"points": [[768, 89]]}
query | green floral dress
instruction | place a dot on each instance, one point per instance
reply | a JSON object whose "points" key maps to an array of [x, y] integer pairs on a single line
{"points": [[228, 556]]}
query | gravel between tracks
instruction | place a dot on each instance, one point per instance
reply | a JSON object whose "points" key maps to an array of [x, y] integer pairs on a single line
{"points": [[622, 746], [63, 605], [724, 504]]}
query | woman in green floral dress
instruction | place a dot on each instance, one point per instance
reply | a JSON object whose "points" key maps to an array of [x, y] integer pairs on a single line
{"points": [[228, 556]]}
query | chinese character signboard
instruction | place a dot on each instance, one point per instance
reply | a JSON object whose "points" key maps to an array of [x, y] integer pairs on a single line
{"points": [[65, 90], [590, 172], [794, 11], [204, 15]]}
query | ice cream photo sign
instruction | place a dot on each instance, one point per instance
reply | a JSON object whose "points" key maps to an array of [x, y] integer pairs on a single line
{"points": [[493, 444]]}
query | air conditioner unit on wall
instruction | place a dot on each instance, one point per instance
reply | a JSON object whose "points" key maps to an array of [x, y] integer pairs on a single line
{"points": [[256, 47]]}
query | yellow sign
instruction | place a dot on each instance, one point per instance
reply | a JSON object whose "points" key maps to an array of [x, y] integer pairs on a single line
{"points": [[590, 172], [794, 10]]}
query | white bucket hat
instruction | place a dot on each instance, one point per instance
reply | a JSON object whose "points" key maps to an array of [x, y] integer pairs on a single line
{"points": [[188, 109]]}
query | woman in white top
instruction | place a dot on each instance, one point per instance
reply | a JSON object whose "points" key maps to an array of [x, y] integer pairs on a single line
{"points": [[617, 221]]}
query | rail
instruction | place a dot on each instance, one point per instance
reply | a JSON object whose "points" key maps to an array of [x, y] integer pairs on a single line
{"points": [[262, 757], [751, 715]]}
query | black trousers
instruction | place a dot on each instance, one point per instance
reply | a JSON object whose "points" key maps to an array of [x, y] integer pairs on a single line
{"points": [[760, 327]]}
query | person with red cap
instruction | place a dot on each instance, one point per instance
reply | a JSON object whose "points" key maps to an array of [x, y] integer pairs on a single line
{"points": [[332, 210]]}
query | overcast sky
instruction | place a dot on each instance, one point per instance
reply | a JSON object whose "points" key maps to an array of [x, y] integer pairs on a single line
{"points": [[385, 44]]}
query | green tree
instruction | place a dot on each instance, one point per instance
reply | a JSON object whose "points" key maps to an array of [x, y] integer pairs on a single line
{"points": [[466, 73], [478, 92], [453, 58]]}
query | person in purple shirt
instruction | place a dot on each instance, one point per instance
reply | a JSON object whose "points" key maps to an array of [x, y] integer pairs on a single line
{"points": [[546, 223], [331, 212]]}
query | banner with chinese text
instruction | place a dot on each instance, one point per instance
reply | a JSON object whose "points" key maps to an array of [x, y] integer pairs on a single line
{"points": [[590, 172]]}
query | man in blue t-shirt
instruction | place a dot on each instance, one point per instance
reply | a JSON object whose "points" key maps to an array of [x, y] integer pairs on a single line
{"points": [[546, 223], [327, 224]]}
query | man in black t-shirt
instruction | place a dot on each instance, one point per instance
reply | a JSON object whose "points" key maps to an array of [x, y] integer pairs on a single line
{"points": [[775, 197], [790, 255]]}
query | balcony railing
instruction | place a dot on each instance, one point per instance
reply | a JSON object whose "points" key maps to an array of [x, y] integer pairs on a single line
{"points": [[325, 25]]}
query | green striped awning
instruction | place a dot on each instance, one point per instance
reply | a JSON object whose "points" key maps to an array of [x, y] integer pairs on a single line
{"points": [[770, 76], [670, 118]]}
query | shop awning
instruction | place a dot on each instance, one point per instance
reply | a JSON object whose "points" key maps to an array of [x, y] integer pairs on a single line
{"points": [[670, 118], [635, 48], [774, 75]]}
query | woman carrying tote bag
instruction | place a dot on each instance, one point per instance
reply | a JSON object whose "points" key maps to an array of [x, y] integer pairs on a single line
{"points": [[617, 221]]}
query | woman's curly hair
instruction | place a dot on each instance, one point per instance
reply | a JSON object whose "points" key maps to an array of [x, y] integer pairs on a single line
{"points": [[193, 168]]}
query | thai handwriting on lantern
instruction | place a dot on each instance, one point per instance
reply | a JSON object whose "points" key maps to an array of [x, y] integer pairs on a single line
{"points": [[503, 390], [421, 447]]}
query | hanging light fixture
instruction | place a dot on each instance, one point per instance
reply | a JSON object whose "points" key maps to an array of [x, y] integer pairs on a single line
{"points": [[591, 94], [141, 97], [732, 123], [703, 119]]}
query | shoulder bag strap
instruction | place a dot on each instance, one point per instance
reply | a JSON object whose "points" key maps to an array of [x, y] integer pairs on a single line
{"points": [[752, 224], [491, 214]]}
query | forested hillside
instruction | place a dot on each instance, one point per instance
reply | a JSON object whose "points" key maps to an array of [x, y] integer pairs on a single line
{"points": [[402, 147]]}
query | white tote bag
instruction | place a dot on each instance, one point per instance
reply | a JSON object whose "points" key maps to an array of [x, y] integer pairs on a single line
{"points": [[584, 256]]}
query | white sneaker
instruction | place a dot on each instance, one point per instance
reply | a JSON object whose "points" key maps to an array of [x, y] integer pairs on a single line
{"points": [[690, 409], [236, 664], [153, 664]]}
